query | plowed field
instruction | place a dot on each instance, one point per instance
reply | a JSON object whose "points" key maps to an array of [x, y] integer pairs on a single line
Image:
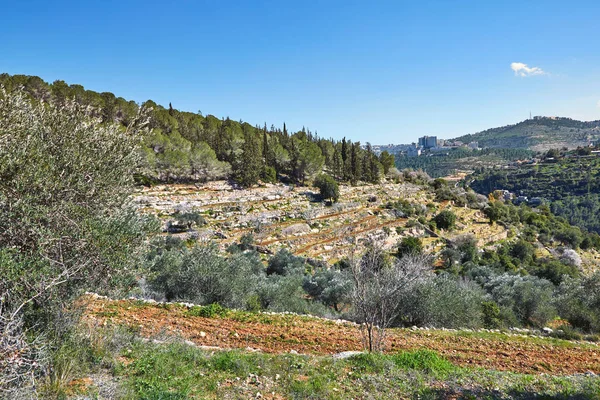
{"points": [[278, 333]]}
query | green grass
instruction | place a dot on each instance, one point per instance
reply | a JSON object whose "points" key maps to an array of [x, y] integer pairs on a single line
{"points": [[178, 371]]}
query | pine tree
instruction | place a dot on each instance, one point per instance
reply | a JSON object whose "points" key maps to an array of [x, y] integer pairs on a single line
{"points": [[355, 164], [249, 165], [265, 146], [338, 164]]}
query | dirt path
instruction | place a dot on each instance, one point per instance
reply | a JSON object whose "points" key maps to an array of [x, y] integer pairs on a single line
{"points": [[283, 333]]}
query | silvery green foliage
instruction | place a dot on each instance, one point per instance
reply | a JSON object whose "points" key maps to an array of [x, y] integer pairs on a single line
{"points": [[64, 226], [55, 155], [570, 257], [201, 275], [442, 301], [529, 298], [377, 288], [578, 301], [330, 286], [64, 178]]}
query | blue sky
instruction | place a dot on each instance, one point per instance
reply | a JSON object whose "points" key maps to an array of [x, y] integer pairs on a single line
{"points": [[378, 71]]}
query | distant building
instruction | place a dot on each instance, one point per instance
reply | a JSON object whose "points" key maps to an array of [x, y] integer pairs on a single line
{"points": [[473, 145], [428, 142]]}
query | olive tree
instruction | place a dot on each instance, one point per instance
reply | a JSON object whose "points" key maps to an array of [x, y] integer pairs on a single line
{"points": [[65, 226], [377, 288]]}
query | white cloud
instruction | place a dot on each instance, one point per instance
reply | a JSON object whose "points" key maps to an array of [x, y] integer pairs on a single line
{"points": [[598, 104], [523, 70]]}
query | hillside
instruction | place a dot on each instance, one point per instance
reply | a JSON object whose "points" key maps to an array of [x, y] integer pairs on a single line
{"points": [[294, 218], [539, 134], [457, 160], [569, 183]]}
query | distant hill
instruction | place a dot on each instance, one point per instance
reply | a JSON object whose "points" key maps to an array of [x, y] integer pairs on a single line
{"points": [[539, 133]]}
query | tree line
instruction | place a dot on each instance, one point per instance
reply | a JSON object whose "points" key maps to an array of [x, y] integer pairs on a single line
{"points": [[186, 146]]}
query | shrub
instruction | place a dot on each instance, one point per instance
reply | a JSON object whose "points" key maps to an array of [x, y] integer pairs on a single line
{"points": [[578, 301], [210, 311], [201, 275], [65, 224], [409, 246], [184, 221], [442, 301], [189, 218], [528, 298], [570, 236], [405, 208], [496, 211], [554, 271], [284, 293], [328, 187], [522, 250], [445, 220], [466, 246], [285, 263], [329, 286], [491, 314]]}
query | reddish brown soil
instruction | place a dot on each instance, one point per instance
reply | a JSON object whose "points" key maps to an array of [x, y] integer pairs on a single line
{"points": [[282, 333]]}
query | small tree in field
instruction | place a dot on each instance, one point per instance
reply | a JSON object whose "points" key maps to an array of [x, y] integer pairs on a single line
{"points": [[445, 220], [376, 292], [410, 245], [328, 187]]}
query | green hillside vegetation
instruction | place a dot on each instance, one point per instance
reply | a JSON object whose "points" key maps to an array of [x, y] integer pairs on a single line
{"points": [[186, 146], [461, 159], [539, 134], [569, 183]]}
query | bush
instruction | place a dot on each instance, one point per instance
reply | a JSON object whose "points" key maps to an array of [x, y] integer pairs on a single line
{"points": [[65, 224], [466, 246], [409, 246], [570, 236], [328, 187], [202, 276], [445, 220], [578, 301], [442, 301], [285, 263], [284, 293], [523, 251], [527, 298], [329, 286], [491, 314], [554, 271], [405, 208], [184, 221]]}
